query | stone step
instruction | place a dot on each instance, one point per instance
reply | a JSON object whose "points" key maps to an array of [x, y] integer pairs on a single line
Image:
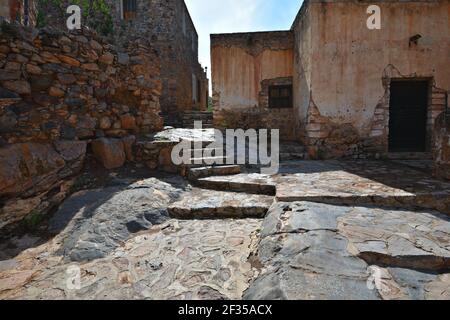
{"points": [[202, 160], [202, 150], [409, 156], [207, 204], [196, 113], [238, 183], [204, 126], [197, 117], [203, 172], [192, 124], [204, 143], [192, 120], [292, 156]]}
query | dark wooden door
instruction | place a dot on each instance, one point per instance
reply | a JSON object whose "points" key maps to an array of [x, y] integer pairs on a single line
{"points": [[408, 116]]}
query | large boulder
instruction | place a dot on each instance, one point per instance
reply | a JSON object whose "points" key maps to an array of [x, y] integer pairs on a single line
{"points": [[93, 223], [29, 171], [110, 152], [28, 168]]}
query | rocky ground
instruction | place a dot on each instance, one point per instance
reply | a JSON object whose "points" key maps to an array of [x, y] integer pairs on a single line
{"points": [[319, 251], [146, 236]]}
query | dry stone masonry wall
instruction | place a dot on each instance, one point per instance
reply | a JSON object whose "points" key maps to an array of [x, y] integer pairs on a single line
{"points": [[58, 93], [169, 27]]}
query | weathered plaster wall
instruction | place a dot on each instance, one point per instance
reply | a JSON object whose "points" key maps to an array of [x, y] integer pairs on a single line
{"points": [[240, 65], [302, 65], [351, 68]]}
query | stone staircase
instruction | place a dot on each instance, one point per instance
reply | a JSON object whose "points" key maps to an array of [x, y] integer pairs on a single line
{"points": [[235, 178], [227, 191], [189, 117], [201, 166], [207, 202]]}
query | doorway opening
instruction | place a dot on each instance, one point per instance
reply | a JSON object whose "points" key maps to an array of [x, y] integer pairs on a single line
{"points": [[408, 111]]}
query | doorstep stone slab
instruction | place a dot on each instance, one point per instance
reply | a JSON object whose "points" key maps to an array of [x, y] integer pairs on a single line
{"points": [[202, 172], [201, 204]]}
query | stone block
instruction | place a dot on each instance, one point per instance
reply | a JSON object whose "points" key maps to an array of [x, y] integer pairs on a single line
{"points": [[128, 122], [110, 152], [20, 86]]}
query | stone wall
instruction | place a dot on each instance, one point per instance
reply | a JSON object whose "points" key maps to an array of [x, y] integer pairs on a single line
{"points": [[58, 93], [442, 146], [73, 86], [95, 14], [15, 10], [244, 65], [169, 27]]}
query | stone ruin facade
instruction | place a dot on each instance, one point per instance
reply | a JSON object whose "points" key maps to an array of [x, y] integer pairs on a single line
{"points": [[244, 67], [167, 24], [341, 74]]}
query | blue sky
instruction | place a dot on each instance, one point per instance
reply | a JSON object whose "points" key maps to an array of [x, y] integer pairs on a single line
{"points": [[225, 16]]}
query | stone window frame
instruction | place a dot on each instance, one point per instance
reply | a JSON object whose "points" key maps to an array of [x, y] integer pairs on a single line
{"points": [[264, 93], [281, 100]]}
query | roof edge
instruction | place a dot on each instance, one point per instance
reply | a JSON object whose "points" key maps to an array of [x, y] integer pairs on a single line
{"points": [[248, 33]]}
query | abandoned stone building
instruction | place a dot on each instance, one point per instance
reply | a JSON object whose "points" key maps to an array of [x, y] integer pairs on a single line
{"points": [[172, 32], [338, 87], [89, 94], [22, 11], [167, 25]]}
